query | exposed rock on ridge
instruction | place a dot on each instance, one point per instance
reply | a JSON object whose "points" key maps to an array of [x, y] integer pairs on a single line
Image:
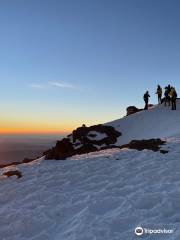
{"points": [[84, 140]]}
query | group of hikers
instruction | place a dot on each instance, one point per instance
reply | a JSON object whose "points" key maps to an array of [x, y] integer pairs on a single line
{"points": [[170, 96]]}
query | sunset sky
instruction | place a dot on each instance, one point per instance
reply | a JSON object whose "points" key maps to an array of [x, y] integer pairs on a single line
{"points": [[65, 62]]}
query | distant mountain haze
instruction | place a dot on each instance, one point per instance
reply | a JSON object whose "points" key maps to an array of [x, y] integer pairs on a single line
{"points": [[14, 148]]}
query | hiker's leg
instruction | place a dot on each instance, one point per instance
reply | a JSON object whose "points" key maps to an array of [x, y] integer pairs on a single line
{"points": [[173, 104], [159, 99], [146, 106]]}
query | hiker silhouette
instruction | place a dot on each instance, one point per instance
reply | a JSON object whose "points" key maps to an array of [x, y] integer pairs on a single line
{"points": [[173, 97], [159, 93], [146, 100]]}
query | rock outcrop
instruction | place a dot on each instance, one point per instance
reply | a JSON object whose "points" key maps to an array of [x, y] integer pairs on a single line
{"points": [[84, 140], [132, 109], [151, 144], [13, 173]]}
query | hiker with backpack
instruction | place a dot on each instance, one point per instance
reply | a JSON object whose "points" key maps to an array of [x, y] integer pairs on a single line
{"points": [[166, 95], [146, 100], [173, 96], [159, 93]]}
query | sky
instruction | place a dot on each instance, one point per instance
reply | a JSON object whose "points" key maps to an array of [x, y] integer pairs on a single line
{"points": [[64, 62]]}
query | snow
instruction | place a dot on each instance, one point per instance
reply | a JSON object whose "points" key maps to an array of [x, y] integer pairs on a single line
{"points": [[102, 195], [97, 135], [157, 122], [77, 144]]}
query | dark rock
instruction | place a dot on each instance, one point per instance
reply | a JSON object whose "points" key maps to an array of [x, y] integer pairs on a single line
{"points": [[79, 143], [13, 173], [164, 151], [62, 150], [86, 149], [132, 109], [9, 164], [81, 134], [150, 105], [151, 144], [27, 160]]}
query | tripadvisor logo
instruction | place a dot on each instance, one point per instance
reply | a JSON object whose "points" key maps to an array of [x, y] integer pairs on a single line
{"points": [[139, 231]]}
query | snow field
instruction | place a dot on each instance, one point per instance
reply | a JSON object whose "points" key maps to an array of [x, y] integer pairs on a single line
{"points": [[103, 195]]}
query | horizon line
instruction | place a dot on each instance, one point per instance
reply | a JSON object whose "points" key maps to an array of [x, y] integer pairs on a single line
{"points": [[34, 132]]}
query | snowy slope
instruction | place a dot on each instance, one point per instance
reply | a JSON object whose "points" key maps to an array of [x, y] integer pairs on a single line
{"points": [[98, 196], [157, 122], [103, 195]]}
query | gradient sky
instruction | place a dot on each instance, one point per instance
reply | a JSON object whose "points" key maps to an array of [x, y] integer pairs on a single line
{"points": [[67, 62]]}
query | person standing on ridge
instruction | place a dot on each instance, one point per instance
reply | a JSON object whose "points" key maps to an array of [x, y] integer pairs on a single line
{"points": [[167, 96], [159, 93], [146, 100], [173, 95]]}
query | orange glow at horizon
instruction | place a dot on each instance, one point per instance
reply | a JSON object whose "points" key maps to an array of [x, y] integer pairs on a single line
{"points": [[41, 125], [28, 131], [22, 128], [30, 124]]}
